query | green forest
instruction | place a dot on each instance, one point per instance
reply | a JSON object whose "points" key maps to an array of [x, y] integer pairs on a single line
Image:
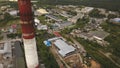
{"points": [[107, 4]]}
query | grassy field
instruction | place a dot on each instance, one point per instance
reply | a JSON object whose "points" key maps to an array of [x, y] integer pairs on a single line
{"points": [[113, 38], [114, 47]]}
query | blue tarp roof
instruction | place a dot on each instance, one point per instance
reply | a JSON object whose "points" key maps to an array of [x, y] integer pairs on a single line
{"points": [[47, 43]]}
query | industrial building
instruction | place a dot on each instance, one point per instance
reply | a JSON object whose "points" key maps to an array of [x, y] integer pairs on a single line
{"points": [[53, 17], [61, 25], [13, 0], [64, 24], [5, 55], [42, 27], [115, 20], [6, 48], [63, 48], [87, 9], [13, 12], [40, 11], [55, 38]]}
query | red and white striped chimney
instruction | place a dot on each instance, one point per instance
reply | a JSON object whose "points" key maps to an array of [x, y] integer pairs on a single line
{"points": [[28, 33]]}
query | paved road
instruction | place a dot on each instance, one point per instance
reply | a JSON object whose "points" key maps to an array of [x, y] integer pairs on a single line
{"points": [[18, 56], [18, 50]]}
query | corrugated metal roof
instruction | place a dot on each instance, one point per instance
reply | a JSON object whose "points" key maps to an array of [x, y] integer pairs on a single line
{"points": [[116, 20], [64, 47]]}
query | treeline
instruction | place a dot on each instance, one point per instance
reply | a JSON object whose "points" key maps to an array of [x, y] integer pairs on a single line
{"points": [[12, 4], [96, 13], [107, 4]]}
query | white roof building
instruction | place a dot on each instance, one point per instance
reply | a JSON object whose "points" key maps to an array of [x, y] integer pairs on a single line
{"points": [[115, 20], [13, 0], [13, 12], [55, 38], [37, 21], [40, 11], [87, 9], [6, 48], [42, 27], [63, 47]]}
